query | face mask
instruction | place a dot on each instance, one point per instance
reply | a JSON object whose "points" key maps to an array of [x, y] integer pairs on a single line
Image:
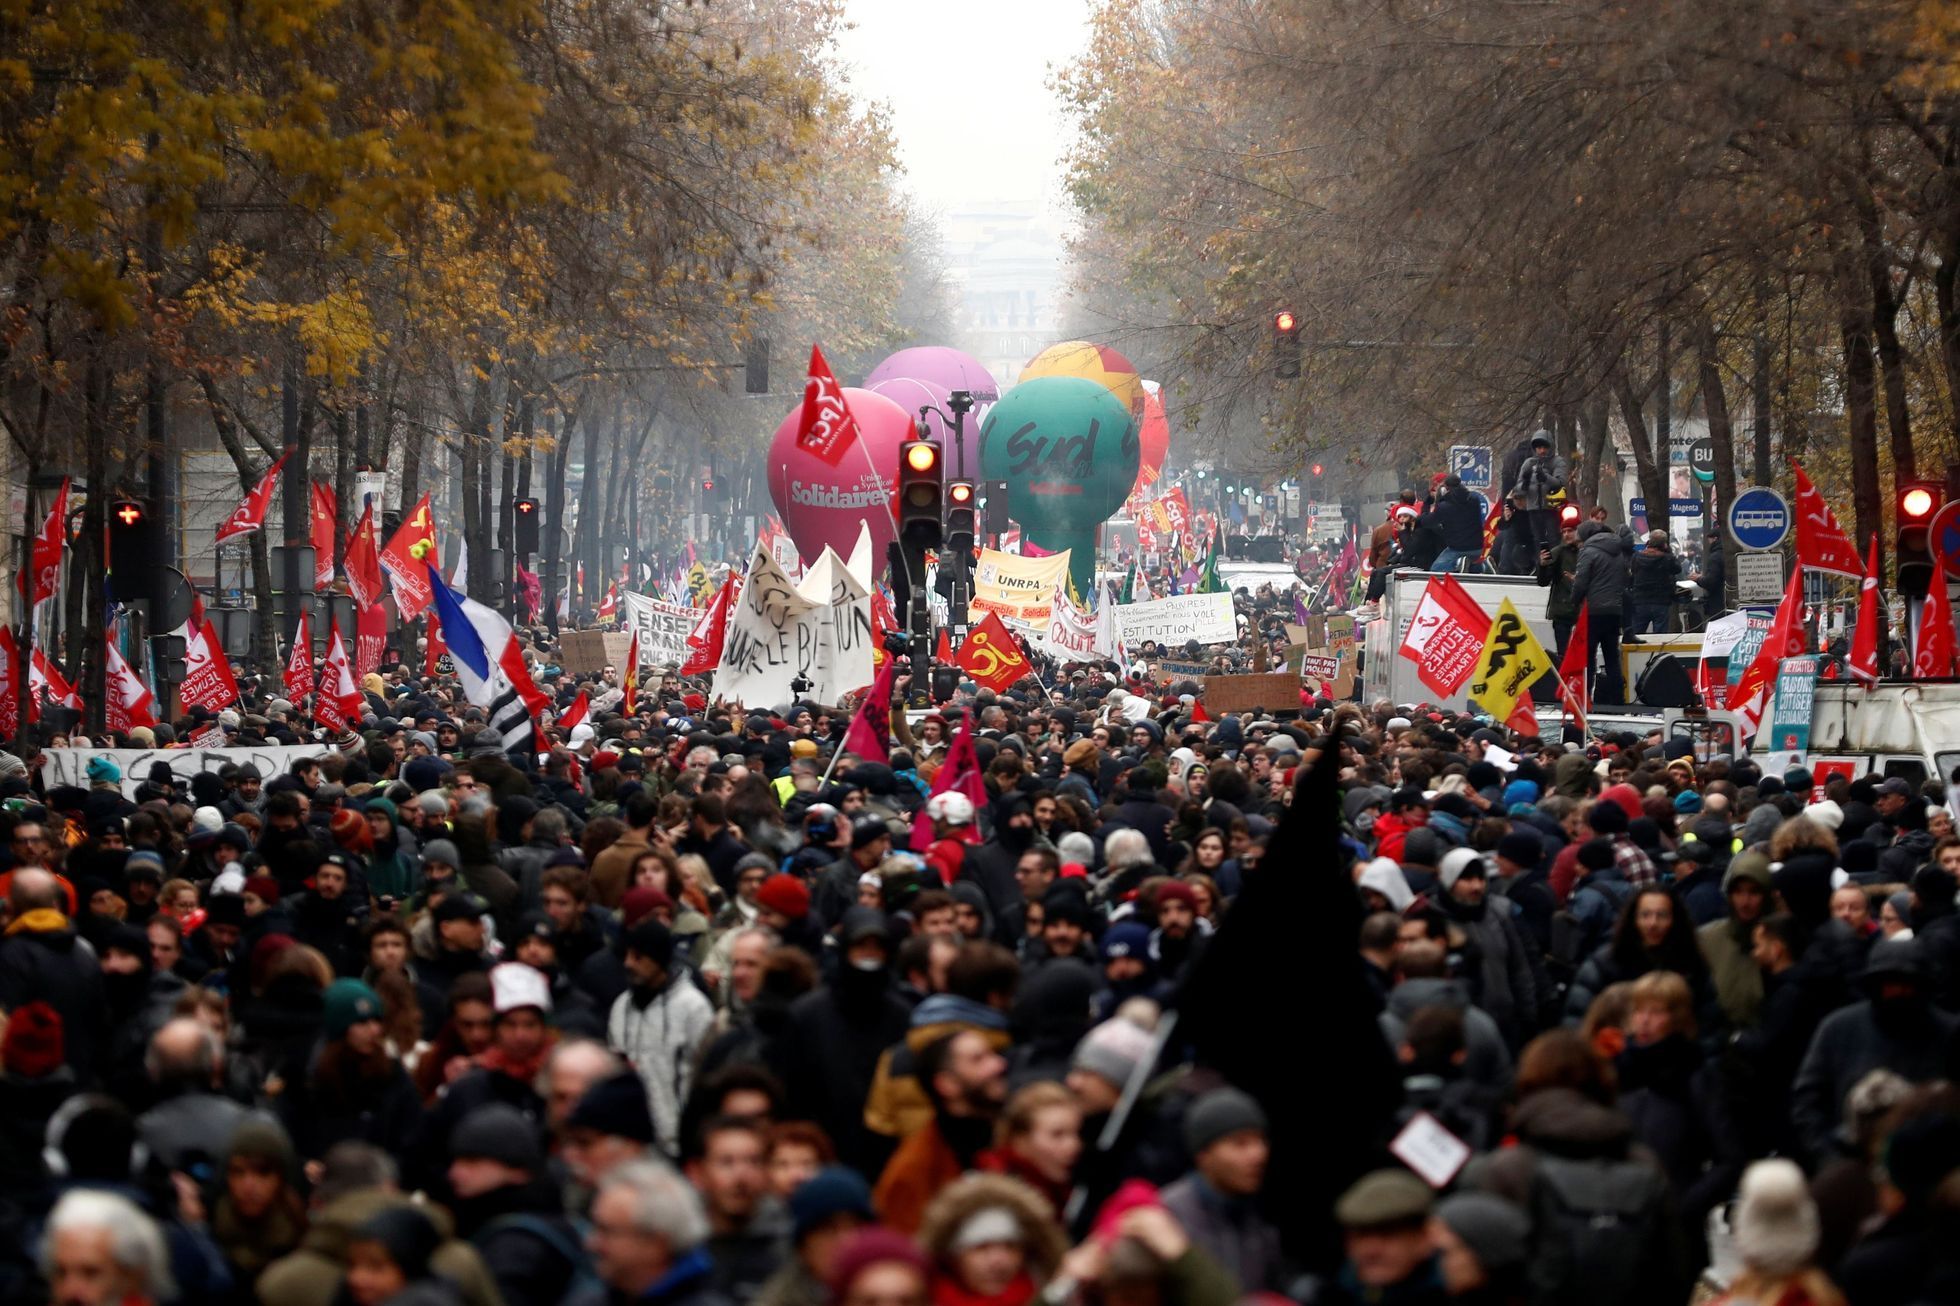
{"points": [[867, 965]]}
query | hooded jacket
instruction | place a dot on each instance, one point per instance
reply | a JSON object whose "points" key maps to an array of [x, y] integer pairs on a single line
{"points": [[660, 1039], [42, 959], [1487, 1060], [1727, 945], [313, 1275], [1456, 515], [897, 1104], [1601, 576]]}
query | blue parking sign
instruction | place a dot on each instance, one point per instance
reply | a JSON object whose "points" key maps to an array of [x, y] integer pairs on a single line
{"points": [[1472, 464]]}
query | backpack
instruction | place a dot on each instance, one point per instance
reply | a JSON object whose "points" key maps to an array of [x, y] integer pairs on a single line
{"points": [[583, 1283], [1596, 1230]]}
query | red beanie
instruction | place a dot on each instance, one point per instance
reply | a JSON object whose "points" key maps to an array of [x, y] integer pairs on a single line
{"points": [[638, 904], [265, 887], [784, 893], [1178, 891], [871, 1246], [33, 1046]]}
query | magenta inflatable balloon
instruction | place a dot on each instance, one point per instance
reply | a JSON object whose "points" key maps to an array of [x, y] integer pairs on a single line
{"points": [[821, 504], [942, 365], [912, 394]]}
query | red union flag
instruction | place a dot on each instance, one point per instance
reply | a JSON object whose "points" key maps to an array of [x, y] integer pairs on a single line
{"points": [[363, 563], [46, 566], [992, 656], [130, 703], [1177, 510], [324, 521], [44, 678], [1933, 652], [9, 686], [299, 662], [1749, 695], [1863, 664], [339, 699], [827, 429], [1573, 699], [208, 681], [371, 636], [1822, 544], [250, 515], [412, 543], [1446, 635]]}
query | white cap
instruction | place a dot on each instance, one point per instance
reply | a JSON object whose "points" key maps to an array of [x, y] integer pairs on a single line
{"points": [[208, 818], [950, 807], [514, 985], [582, 733]]}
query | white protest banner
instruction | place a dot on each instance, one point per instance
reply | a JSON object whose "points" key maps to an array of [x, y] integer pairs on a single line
{"points": [[1021, 590], [843, 627], [1206, 618], [1070, 635], [662, 627], [777, 636], [69, 766]]}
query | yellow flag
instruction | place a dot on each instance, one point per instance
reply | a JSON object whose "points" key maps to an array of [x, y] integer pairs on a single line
{"points": [[1512, 660]]}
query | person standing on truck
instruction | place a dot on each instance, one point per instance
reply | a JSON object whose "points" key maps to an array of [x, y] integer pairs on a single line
{"points": [[1650, 589], [1516, 550], [1381, 545], [1542, 479], [1600, 581], [1456, 516], [1555, 569]]}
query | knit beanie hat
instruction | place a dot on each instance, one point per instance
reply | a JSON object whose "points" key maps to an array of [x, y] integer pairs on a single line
{"points": [[33, 1044], [784, 893], [348, 1003], [832, 1191], [638, 904], [498, 1132], [1776, 1227], [875, 1245], [1521, 847], [1218, 1113], [1112, 1051], [442, 850], [616, 1106], [265, 887], [1494, 1230]]}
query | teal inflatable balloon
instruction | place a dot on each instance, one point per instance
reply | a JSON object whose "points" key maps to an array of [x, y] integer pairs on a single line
{"points": [[1068, 450]]}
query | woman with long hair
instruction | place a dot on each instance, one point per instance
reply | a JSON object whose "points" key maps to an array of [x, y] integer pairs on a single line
{"points": [[1654, 932]]}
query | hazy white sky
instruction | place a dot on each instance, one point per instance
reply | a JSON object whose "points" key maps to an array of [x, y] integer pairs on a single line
{"points": [[966, 85]]}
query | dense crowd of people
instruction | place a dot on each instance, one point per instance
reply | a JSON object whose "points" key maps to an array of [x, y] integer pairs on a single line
{"points": [[688, 1008]]}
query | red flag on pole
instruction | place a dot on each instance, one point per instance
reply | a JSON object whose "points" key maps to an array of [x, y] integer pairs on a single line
{"points": [[959, 773], [1575, 700], [575, 715], [1750, 694], [404, 558], [609, 605], [434, 646], [1822, 544], [1491, 521], [629, 676], [130, 702], [250, 515], [208, 681], [325, 515], [826, 430], [9, 688], [371, 636], [1932, 652], [944, 651], [992, 656], [339, 699], [1446, 635], [44, 676], [299, 662], [705, 641], [1863, 664], [363, 563], [870, 732], [46, 564]]}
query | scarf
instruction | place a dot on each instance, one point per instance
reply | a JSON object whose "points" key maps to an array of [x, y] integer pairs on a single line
{"points": [[525, 1070], [949, 1291], [42, 920]]}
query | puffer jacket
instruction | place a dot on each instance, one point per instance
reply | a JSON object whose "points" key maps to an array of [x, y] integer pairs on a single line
{"points": [[1653, 576], [660, 1039], [1601, 576]]}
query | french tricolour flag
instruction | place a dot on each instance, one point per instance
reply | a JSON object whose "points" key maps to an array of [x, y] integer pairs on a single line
{"points": [[489, 663]]}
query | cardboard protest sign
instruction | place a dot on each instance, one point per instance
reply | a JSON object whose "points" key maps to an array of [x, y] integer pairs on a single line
{"points": [[1275, 691], [1207, 618]]}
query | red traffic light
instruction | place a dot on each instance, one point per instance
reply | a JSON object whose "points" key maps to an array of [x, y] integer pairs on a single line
{"points": [[129, 514], [1284, 322], [1568, 515], [708, 484], [525, 507], [1917, 502], [1317, 469], [960, 492]]}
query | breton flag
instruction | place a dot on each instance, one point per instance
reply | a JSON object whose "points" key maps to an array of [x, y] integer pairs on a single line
{"points": [[490, 664]]}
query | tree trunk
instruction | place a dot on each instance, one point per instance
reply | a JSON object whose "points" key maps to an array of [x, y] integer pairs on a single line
{"points": [[1885, 335], [1759, 390], [1945, 274], [299, 477], [96, 382], [413, 437], [343, 489], [1595, 449], [1855, 340], [588, 513], [553, 524], [475, 441], [1715, 402], [1652, 475]]}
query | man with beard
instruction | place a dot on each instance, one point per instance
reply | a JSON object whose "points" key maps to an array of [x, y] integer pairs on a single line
{"points": [[1505, 984], [829, 1047], [1034, 873], [1896, 1028], [749, 1225], [246, 792], [659, 1024], [1176, 940], [509, 1209], [966, 1080], [991, 864], [325, 918]]}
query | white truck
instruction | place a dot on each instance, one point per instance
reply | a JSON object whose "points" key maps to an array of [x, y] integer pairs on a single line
{"points": [[1388, 675], [1909, 729]]}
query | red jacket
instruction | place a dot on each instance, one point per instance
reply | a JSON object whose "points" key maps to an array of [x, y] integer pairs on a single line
{"points": [[1390, 833]]}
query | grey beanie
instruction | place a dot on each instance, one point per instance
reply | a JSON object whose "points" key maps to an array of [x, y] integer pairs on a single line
{"points": [[500, 1133], [1494, 1230], [1113, 1050], [442, 850], [1218, 1113]]}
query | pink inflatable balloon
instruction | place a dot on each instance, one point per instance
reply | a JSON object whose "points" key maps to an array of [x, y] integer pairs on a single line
{"points": [[822, 505], [912, 395], [942, 365]]}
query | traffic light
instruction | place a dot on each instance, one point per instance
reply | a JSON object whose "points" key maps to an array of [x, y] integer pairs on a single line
{"points": [[1917, 501], [524, 512], [755, 366], [1286, 345], [135, 550], [921, 495], [960, 500]]}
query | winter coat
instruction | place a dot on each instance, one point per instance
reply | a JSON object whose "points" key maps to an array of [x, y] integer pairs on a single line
{"points": [[1232, 1232], [1850, 1044], [522, 1234], [1458, 519], [1541, 476], [1487, 1059], [828, 1054], [190, 1129], [1505, 987], [1652, 576], [1600, 579], [41, 959], [313, 1275], [1556, 575], [897, 1105], [1517, 547], [320, 1110], [745, 1258], [1679, 1111], [660, 1038], [1726, 945]]}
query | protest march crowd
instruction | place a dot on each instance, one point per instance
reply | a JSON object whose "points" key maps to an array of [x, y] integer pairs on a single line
{"points": [[1069, 989]]}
